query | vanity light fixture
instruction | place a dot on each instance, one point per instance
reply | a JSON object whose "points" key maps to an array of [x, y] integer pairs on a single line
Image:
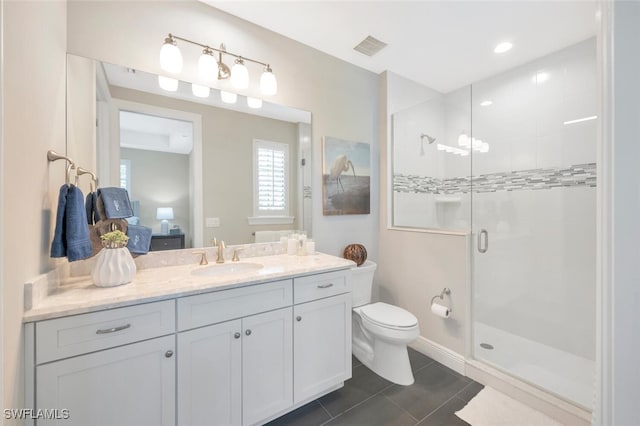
{"points": [[167, 83], [580, 120], [200, 91], [486, 103], [207, 65], [254, 103], [170, 56], [171, 61], [228, 97]]}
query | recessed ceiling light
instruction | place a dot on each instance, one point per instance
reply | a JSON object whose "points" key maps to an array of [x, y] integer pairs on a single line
{"points": [[505, 46], [486, 103]]}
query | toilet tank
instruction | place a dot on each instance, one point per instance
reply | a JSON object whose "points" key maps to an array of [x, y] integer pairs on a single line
{"points": [[362, 282]]}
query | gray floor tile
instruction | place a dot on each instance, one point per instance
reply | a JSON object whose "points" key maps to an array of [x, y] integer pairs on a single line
{"points": [[311, 414], [377, 411], [355, 362], [363, 384], [434, 385], [470, 391], [418, 360], [445, 415]]}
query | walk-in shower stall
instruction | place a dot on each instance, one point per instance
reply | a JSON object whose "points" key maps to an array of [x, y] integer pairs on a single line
{"points": [[511, 160]]}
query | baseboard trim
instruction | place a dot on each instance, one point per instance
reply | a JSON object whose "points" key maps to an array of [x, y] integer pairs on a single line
{"points": [[437, 352]]}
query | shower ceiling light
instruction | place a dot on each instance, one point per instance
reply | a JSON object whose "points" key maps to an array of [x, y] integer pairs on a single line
{"points": [[171, 61], [503, 47]]}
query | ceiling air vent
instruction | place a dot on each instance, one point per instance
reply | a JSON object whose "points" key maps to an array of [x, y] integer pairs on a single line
{"points": [[370, 46]]}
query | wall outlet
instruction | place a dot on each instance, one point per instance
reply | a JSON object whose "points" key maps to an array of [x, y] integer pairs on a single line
{"points": [[212, 222]]}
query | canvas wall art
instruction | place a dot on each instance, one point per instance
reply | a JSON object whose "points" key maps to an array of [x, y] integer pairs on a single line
{"points": [[346, 177]]}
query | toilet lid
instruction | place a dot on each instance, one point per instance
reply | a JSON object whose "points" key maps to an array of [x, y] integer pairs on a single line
{"points": [[389, 315]]}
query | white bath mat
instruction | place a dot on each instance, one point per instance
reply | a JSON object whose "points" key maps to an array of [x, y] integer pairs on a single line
{"points": [[492, 408]]}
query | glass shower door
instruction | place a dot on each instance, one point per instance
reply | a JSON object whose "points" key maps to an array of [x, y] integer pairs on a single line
{"points": [[534, 222]]}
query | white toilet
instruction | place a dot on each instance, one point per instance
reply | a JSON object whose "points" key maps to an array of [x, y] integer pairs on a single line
{"points": [[381, 331]]}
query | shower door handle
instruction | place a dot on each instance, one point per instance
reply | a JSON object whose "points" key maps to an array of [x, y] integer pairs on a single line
{"points": [[483, 247]]}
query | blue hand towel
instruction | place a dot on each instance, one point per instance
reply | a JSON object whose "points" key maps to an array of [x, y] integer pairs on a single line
{"points": [[116, 203], [59, 246], [91, 207], [77, 231], [139, 239]]}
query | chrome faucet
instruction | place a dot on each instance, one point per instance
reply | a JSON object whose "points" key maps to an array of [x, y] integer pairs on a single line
{"points": [[221, 246]]}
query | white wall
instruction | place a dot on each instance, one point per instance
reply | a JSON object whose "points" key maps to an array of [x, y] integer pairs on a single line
{"points": [[342, 98], [33, 122]]}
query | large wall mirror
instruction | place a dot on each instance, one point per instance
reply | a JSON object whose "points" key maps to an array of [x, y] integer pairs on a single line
{"points": [[238, 171]]}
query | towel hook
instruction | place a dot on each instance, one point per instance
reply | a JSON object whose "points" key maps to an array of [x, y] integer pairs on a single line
{"points": [[54, 156], [444, 291], [94, 180]]}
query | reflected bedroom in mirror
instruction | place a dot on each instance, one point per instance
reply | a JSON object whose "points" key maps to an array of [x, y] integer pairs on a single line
{"points": [[198, 163]]}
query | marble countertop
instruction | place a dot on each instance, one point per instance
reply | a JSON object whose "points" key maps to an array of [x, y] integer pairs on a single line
{"points": [[79, 295]]}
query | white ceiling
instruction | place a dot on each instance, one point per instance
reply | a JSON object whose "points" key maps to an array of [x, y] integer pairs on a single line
{"points": [[150, 132], [441, 44]]}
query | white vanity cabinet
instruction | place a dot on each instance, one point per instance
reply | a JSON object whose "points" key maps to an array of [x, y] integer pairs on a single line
{"points": [[237, 372], [321, 333], [238, 356], [108, 367]]}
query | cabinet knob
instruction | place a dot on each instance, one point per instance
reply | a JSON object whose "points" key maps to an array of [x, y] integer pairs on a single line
{"points": [[248, 332], [298, 318], [168, 354], [236, 335]]}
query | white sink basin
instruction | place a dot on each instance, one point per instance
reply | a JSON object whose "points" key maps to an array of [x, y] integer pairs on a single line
{"points": [[227, 268]]}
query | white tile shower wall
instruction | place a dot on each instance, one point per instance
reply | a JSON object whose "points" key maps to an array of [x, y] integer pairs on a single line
{"points": [[525, 124]]}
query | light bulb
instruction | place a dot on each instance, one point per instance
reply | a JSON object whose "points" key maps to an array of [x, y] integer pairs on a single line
{"points": [[167, 83], [207, 66], [254, 102], [239, 75], [268, 83], [200, 91], [170, 56], [228, 97]]}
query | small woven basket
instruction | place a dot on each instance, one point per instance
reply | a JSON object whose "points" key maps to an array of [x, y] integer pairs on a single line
{"points": [[356, 253]]}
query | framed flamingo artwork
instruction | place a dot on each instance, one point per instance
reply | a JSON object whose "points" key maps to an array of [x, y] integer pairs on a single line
{"points": [[346, 177]]}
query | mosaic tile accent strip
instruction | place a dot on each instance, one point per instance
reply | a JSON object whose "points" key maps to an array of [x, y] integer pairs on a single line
{"points": [[520, 180]]}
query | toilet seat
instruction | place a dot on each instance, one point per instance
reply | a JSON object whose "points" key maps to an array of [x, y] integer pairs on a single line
{"points": [[389, 316]]}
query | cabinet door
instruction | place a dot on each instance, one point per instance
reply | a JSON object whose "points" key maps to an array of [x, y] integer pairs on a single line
{"points": [[209, 375], [267, 365], [322, 345], [129, 385]]}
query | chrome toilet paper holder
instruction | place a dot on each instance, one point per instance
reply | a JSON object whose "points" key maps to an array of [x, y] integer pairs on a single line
{"points": [[444, 291]]}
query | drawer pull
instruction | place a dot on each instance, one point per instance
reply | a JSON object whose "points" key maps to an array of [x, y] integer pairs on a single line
{"points": [[236, 335], [168, 354], [325, 285], [298, 318], [112, 330], [248, 332]]}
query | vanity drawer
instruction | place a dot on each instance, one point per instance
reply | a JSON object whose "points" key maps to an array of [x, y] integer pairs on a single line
{"points": [[223, 305], [318, 286], [69, 336]]}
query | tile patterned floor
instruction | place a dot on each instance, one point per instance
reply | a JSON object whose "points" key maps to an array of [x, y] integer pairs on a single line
{"points": [[369, 400]]}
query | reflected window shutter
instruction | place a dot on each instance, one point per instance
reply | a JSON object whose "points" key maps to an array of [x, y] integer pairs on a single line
{"points": [[271, 179]]}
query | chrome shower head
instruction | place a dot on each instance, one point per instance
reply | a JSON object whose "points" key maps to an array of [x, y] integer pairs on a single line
{"points": [[429, 138]]}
